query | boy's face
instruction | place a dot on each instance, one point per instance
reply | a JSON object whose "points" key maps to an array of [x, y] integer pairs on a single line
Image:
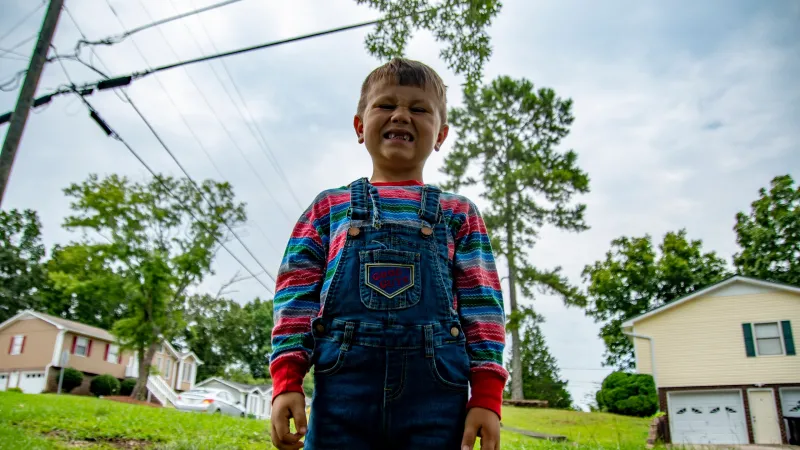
{"points": [[401, 125]]}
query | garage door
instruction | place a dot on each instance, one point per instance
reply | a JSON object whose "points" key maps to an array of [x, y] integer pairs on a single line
{"points": [[707, 418], [790, 401], [3, 381], [32, 382]]}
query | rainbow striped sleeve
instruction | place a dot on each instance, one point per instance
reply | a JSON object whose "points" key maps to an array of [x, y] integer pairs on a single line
{"points": [[478, 293], [297, 290]]}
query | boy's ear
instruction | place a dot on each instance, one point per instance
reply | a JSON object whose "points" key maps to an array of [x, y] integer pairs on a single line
{"points": [[358, 125], [441, 137]]}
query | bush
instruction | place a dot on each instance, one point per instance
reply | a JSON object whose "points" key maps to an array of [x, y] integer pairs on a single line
{"points": [[14, 389], [104, 385], [72, 379], [628, 394], [127, 385]]}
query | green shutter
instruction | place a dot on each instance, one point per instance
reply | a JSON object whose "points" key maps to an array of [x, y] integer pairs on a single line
{"points": [[749, 345], [788, 341]]}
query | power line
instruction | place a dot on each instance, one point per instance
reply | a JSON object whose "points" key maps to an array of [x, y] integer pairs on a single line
{"points": [[23, 20], [127, 99], [19, 44], [113, 134], [119, 38], [213, 112], [255, 130]]}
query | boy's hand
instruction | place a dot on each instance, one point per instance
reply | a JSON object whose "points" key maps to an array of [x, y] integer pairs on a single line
{"points": [[289, 405], [484, 423]]}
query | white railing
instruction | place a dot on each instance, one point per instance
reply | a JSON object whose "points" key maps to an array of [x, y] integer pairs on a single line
{"points": [[158, 387]]}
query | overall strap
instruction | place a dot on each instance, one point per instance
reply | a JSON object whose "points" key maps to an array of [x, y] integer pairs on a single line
{"points": [[429, 208], [364, 202], [359, 205]]}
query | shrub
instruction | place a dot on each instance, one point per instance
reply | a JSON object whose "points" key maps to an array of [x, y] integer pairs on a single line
{"points": [[628, 394], [72, 379], [14, 389], [127, 385], [104, 385]]}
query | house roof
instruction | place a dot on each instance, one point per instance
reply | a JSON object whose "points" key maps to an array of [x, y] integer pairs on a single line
{"points": [[707, 290], [184, 355], [241, 387], [63, 324]]}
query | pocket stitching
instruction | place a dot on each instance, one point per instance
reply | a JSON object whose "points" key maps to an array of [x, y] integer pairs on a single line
{"points": [[438, 376]]}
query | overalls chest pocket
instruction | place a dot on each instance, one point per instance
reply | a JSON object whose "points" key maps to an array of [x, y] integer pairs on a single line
{"points": [[389, 279]]}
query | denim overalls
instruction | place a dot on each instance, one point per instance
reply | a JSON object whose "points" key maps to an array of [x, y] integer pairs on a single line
{"points": [[390, 365]]}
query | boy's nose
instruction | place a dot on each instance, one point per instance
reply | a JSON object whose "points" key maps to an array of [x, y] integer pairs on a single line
{"points": [[400, 115]]}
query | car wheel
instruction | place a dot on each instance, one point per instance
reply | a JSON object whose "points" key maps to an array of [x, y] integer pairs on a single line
{"points": [[219, 411], [241, 415]]}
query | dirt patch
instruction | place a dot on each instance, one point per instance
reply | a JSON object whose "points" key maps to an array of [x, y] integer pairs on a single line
{"points": [[126, 399], [121, 443]]}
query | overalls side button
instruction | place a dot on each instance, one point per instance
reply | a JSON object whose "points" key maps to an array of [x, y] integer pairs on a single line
{"points": [[427, 231], [320, 328], [454, 331], [354, 231]]}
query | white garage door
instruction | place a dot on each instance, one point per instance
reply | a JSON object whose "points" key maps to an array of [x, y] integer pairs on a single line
{"points": [[790, 400], [32, 382], [707, 418], [3, 381]]}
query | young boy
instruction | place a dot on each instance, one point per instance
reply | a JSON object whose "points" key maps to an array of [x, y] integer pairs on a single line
{"points": [[389, 289]]}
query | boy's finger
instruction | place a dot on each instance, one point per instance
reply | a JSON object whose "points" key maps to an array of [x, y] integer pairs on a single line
{"points": [[488, 444], [468, 440], [299, 414]]}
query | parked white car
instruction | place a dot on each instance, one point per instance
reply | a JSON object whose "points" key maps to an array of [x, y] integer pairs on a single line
{"points": [[214, 401]]}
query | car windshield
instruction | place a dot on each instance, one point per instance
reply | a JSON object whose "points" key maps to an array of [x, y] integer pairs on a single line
{"points": [[199, 392]]}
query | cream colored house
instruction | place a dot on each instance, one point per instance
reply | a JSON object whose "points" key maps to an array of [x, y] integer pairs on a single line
{"points": [[725, 362], [35, 344]]}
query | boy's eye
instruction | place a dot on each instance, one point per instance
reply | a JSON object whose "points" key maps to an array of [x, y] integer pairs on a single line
{"points": [[418, 109], [386, 106]]}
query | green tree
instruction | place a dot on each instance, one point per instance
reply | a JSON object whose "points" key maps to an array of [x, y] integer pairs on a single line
{"points": [[248, 335], [540, 374], [633, 279], [461, 24], [205, 333], [85, 286], [162, 237], [22, 275], [770, 235], [628, 394], [513, 131]]}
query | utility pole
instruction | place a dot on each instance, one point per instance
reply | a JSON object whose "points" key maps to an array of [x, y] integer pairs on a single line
{"points": [[25, 100]]}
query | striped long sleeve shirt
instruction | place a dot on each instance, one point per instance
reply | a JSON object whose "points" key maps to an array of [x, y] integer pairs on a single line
{"points": [[311, 259]]}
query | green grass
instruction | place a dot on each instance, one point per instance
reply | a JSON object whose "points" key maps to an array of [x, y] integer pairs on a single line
{"points": [[61, 422]]}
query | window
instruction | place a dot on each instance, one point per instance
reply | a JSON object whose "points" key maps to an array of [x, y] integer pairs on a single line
{"points": [[17, 343], [768, 339], [113, 354], [81, 346], [166, 368], [187, 372]]}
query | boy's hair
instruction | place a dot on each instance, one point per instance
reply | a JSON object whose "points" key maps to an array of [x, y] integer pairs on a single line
{"points": [[406, 72]]}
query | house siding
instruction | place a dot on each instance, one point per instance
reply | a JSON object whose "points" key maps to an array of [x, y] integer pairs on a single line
{"points": [[95, 363], [40, 338], [700, 343], [165, 356]]}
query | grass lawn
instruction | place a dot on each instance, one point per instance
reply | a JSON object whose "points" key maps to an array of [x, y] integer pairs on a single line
{"points": [[65, 422]]}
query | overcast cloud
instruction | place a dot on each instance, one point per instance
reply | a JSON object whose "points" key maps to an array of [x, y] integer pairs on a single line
{"points": [[683, 111]]}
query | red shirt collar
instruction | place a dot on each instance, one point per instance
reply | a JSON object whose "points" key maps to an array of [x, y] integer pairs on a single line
{"points": [[398, 183]]}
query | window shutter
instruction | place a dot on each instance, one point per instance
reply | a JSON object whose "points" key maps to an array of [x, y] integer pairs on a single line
{"points": [[749, 345], [788, 340], [105, 357], [89, 349], [22, 348], [10, 345], [119, 356], [74, 344]]}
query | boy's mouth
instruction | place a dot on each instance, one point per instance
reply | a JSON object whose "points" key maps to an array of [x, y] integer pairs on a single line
{"points": [[398, 136]]}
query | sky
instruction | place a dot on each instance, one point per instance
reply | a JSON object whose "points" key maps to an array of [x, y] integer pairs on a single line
{"points": [[684, 110]]}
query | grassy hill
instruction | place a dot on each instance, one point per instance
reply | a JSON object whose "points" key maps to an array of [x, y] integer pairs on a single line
{"points": [[60, 422]]}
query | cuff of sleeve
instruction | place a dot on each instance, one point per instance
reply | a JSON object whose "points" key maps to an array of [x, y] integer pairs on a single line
{"points": [[287, 376], [487, 391]]}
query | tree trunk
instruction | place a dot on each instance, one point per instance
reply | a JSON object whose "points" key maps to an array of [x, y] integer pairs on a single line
{"points": [[145, 361], [516, 355]]}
